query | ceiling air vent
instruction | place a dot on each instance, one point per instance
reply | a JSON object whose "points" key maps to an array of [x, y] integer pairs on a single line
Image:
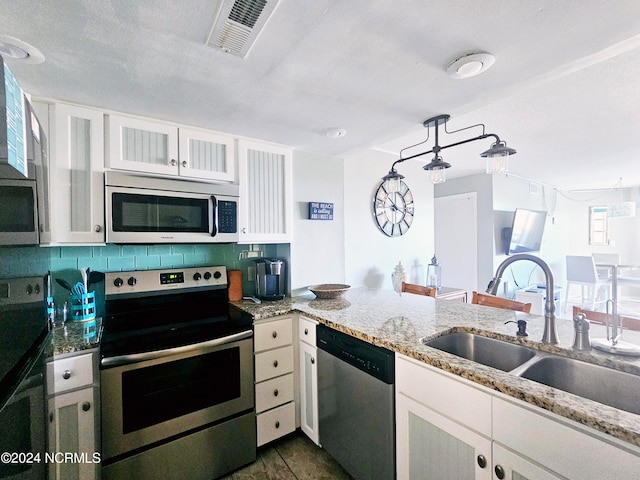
{"points": [[238, 24]]}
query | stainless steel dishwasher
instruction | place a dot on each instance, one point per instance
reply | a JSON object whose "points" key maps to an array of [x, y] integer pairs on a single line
{"points": [[356, 404]]}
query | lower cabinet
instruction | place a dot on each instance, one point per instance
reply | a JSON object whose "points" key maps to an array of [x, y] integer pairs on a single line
{"points": [[449, 427], [274, 375], [308, 378], [73, 418]]}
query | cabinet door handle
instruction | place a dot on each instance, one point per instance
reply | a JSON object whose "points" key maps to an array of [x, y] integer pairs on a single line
{"points": [[275, 392], [499, 472], [482, 461], [184, 164], [274, 334], [275, 364], [86, 406], [313, 360], [66, 374], [173, 162], [51, 417], [97, 228], [277, 424], [306, 331]]}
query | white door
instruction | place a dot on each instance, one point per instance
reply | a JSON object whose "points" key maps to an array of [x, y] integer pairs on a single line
{"points": [[456, 240]]}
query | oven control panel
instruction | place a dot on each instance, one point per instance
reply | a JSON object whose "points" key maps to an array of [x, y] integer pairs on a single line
{"points": [[140, 281]]}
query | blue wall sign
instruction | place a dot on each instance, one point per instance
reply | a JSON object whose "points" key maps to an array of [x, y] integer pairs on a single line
{"points": [[320, 211]]}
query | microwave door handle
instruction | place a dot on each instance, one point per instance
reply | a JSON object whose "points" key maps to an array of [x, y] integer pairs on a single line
{"points": [[214, 222]]}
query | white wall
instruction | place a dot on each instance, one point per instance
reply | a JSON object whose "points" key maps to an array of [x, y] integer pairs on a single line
{"points": [[317, 249], [371, 256]]}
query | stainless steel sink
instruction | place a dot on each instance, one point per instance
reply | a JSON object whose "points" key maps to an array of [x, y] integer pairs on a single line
{"points": [[487, 351], [601, 384]]}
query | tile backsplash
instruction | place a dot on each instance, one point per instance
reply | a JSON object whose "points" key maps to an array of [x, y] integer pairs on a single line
{"points": [[65, 262]]}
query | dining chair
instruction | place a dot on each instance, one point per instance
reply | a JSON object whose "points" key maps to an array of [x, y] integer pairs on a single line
{"points": [[500, 302], [629, 323], [419, 289], [605, 259], [581, 270]]}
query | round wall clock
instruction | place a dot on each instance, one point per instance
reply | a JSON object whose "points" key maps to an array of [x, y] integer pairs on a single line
{"points": [[393, 211]]}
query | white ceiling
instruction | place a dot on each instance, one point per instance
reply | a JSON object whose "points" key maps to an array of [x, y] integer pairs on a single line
{"points": [[564, 90]]}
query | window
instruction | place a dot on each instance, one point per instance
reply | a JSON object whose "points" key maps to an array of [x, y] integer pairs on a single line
{"points": [[598, 226]]}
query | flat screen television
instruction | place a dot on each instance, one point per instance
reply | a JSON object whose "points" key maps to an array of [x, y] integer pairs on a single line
{"points": [[526, 231]]}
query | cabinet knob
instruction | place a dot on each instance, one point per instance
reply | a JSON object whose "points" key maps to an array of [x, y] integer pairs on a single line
{"points": [[275, 364], [499, 472], [313, 360], [277, 424], [86, 406], [173, 162], [98, 228], [482, 461], [51, 417], [306, 331], [244, 230], [66, 374], [275, 392], [274, 334], [184, 164]]}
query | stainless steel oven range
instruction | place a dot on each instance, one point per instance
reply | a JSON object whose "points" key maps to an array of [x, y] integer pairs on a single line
{"points": [[176, 376]]}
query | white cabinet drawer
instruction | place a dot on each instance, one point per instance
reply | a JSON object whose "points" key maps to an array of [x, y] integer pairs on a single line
{"points": [[275, 334], [274, 392], [276, 423], [68, 373], [274, 363], [307, 330]]}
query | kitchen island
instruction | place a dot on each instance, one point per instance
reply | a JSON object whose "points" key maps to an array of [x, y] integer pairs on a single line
{"points": [[400, 322]]}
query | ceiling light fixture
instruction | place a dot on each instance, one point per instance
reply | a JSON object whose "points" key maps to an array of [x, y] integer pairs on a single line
{"points": [[11, 47], [334, 132], [496, 155], [470, 65]]}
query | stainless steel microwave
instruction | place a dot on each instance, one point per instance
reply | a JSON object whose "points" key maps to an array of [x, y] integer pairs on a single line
{"points": [[141, 209]]}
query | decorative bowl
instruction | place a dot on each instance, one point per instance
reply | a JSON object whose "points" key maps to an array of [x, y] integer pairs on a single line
{"points": [[329, 290]]}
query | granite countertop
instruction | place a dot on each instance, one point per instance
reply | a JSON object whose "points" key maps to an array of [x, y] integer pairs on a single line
{"points": [[399, 322], [73, 337]]}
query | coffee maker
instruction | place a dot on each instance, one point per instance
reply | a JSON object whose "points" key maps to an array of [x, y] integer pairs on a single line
{"points": [[270, 274]]}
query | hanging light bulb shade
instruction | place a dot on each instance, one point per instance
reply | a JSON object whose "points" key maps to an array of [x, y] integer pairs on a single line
{"points": [[437, 168], [498, 157], [392, 180]]}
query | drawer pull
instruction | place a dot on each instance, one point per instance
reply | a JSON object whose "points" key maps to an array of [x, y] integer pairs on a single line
{"points": [[86, 406], [275, 392], [275, 364], [277, 424], [66, 374], [274, 334]]}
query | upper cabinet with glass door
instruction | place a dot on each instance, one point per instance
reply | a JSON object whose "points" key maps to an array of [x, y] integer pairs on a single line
{"points": [[266, 208], [76, 174], [141, 145]]}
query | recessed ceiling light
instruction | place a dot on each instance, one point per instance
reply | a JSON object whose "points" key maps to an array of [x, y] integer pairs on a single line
{"points": [[334, 132], [11, 47], [470, 65]]}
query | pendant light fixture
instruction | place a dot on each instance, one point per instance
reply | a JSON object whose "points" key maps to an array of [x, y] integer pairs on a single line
{"points": [[496, 155]]}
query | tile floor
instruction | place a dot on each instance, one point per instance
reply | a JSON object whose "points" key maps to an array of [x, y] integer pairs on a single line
{"points": [[294, 457]]}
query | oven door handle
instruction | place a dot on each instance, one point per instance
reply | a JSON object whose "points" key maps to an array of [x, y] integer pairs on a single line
{"points": [[140, 357]]}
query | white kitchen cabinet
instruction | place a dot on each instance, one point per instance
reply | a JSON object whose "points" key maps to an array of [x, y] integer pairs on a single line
{"points": [[76, 178], [142, 145], [73, 412], [308, 378], [445, 423], [265, 180], [274, 377]]}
